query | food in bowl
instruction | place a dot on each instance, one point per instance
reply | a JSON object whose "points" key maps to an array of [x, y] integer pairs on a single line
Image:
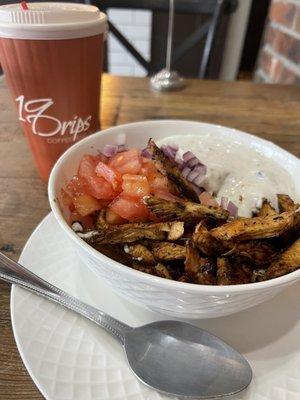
{"points": [[160, 211]]}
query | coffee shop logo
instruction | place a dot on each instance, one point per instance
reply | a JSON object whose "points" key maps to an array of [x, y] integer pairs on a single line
{"points": [[36, 111]]}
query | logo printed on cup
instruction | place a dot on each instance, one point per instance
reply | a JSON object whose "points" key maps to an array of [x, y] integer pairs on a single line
{"points": [[37, 110]]}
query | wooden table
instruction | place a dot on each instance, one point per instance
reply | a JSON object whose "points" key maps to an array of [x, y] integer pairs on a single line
{"points": [[269, 111]]}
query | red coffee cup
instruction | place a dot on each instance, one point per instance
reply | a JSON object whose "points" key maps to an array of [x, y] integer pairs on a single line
{"points": [[51, 55]]}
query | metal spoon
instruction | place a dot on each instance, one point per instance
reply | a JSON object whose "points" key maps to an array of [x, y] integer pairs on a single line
{"points": [[172, 357]]}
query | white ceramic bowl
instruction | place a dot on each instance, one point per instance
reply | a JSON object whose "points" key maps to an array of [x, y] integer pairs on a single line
{"points": [[171, 298]]}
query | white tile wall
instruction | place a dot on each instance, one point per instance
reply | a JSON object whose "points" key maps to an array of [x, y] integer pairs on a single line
{"points": [[135, 25]]}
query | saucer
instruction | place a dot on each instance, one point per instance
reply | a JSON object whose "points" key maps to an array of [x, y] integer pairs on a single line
{"points": [[70, 358]]}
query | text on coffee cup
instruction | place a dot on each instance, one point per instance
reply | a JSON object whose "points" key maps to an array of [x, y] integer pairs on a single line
{"points": [[42, 124]]}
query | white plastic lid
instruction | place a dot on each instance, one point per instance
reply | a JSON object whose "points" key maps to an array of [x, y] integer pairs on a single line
{"points": [[48, 21]]}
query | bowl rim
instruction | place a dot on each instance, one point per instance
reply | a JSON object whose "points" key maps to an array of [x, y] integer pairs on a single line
{"points": [[147, 278]]}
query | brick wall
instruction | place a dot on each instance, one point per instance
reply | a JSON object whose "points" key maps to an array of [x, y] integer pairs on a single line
{"points": [[279, 58]]}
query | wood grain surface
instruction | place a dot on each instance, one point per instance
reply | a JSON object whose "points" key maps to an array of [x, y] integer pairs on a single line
{"points": [[269, 111]]}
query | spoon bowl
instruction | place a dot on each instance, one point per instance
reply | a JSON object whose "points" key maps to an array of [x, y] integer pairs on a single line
{"points": [[179, 358]]}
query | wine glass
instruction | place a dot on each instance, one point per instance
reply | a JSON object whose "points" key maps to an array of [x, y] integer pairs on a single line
{"points": [[166, 79]]}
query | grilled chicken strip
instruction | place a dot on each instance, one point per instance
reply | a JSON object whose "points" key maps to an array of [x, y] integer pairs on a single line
{"points": [[166, 251], [230, 274], [285, 203], [258, 252], [256, 228], [162, 271], [266, 209], [171, 170], [147, 269], [259, 275], [115, 252], [156, 270], [200, 269], [207, 243], [140, 253], [287, 262], [183, 211], [129, 233]]}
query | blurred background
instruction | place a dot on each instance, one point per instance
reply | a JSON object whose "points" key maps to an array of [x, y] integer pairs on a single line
{"points": [[255, 40]]}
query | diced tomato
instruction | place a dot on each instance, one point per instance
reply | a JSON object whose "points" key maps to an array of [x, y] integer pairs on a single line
{"points": [[167, 196], [110, 174], [76, 186], [87, 221], [126, 162], [129, 208], [148, 167], [87, 166], [135, 185], [158, 183], [86, 204], [113, 218], [95, 186], [101, 157], [100, 188], [66, 200], [207, 199], [104, 203]]}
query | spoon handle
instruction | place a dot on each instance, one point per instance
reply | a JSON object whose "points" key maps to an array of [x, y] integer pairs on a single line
{"points": [[13, 272]]}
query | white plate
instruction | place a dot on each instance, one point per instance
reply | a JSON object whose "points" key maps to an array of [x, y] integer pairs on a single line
{"points": [[70, 358]]}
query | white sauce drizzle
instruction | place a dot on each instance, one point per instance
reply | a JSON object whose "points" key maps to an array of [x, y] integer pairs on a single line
{"points": [[235, 171]]}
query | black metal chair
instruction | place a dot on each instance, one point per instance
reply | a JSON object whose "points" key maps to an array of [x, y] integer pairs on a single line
{"points": [[215, 9]]}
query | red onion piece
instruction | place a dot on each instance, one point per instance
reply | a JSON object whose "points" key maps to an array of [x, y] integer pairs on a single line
{"points": [[169, 151], [224, 202], [187, 156], [172, 146], [233, 209], [199, 180], [145, 153], [179, 161], [110, 150], [201, 169], [185, 172], [192, 175], [197, 174], [193, 162]]}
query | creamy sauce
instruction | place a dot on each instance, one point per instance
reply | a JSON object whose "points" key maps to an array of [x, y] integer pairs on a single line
{"points": [[237, 172]]}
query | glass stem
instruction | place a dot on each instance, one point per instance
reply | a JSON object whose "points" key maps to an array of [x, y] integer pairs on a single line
{"points": [[170, 35]]}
